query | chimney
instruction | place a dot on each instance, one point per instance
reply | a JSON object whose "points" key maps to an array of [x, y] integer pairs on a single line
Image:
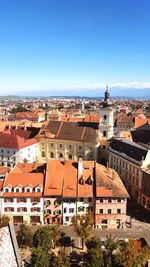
{"points": [[80, 167]]}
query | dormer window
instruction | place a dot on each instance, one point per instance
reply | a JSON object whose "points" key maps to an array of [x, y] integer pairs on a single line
{"points": [[28, 189], [17, 190], [81, 181], [90, 180], [6, 190]]}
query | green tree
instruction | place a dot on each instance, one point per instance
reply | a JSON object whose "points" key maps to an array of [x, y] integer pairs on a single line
{"points": [[110, 246], [56, 233], [24, 236], [43, 238], [83, 226], [62, 260], [4, 220], [94, 255], [39, 258]]}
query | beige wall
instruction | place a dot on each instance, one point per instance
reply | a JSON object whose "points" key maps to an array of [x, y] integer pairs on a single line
{"points": [[87, 151]]}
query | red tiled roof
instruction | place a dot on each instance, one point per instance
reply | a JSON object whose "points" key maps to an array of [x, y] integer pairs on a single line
{"points": [[14, 141], [141, 121], [29, 168], [1, 184], [24, 179], [108, 183]]}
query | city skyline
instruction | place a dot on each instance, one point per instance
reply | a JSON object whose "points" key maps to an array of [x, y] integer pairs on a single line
{"points": [[74, 46]]}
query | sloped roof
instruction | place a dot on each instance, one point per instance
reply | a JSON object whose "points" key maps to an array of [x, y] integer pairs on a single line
{"points": [[13, 141], [142, 134], [73, 131], [108, 183], [130, 150]]}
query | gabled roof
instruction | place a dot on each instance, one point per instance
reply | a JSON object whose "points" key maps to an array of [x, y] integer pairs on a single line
{"points": [[25, 179], [73, 131], [29, 168], [13, 141], [108, 183]]}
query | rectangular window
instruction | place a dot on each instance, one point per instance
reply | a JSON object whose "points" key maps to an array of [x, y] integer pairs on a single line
{"points": [[81, 199], [101, 211], [10, 200], [71, 210], [90, 199], [65, 210], [67, 219], [60, 145], [109, 200], [109, 211], [51, 145], [118, 211], [101, 200]]}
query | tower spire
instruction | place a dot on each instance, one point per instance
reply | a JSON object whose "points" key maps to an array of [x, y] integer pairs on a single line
{"points": [[106, 102]]}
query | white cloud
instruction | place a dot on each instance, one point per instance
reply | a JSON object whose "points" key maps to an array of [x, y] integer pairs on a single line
{"points": [[123, 85]]}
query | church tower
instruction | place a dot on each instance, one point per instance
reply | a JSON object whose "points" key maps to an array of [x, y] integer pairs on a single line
{"points": [[106, 118]]}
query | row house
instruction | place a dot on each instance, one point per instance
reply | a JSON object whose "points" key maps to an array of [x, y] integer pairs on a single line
{"points": [[65, 140], [21, 196], [66, 192], [111, 199], [15, 149], [31, 116], [145, 191], [129, 159], [76, 188]]}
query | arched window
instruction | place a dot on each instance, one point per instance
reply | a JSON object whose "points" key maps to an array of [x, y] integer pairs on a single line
{"points": [[104, 133], [70, 156], [43, 154], [105, 117], [52, 155], [61, 155]]}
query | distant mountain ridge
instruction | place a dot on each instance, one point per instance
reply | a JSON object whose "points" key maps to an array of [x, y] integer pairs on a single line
{"points": [[84, 93]]}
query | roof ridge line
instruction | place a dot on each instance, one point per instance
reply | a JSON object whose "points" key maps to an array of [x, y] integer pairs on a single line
{"points": [[59, 129]]}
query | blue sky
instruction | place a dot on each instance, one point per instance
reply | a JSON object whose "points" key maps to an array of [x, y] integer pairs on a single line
{"points": [[74, 44]]}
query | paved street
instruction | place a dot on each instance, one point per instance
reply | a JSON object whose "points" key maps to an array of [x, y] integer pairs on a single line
{"points": [[136, 232]]}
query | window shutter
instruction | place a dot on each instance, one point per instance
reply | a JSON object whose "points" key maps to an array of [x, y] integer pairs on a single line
{"points": [[18, 209], [18, 200], [25, 209], [39, 209], [5, 199], [32, 209], [25, 200], [38, 199], [32, 199], [12, 209], [5, 209]]}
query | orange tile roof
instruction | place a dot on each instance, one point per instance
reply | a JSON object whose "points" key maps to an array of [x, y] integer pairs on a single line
{"points": [[24, 179], [141, 121], [108, 183], [1, 184], [62, 179], [29, 168], [13, 141]]}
